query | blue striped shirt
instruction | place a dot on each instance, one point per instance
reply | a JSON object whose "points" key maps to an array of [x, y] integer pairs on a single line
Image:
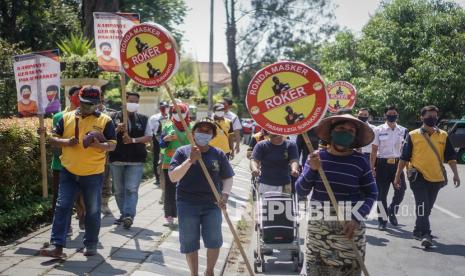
{"points": [[350, 178]]}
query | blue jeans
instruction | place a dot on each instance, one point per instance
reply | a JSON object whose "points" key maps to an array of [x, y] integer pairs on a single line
{"points": [[195, 219], [126, 181], [70, 185]]}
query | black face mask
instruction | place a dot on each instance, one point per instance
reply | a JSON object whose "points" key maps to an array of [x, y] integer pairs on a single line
{"points": [[430, 121], [363, 119], [391, 118]]}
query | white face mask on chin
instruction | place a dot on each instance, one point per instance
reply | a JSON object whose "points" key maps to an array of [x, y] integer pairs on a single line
{"points": [[176, 117], [132, 107]]}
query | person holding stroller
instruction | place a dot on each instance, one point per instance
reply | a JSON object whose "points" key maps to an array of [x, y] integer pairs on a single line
{"points": [[270, 162], [329, 250]]}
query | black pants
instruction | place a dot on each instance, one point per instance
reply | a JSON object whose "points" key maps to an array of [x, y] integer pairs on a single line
{"points": [[170, 196], [385, 174], [156, 157], [425, 194]]}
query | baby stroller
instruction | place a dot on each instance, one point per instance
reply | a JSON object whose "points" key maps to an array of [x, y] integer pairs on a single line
{"points": [[277, 227]]}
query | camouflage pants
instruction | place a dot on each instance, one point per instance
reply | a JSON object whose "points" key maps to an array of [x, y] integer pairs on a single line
{"points": [[329, 252]]}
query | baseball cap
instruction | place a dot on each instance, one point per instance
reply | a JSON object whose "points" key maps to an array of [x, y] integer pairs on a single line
{"points": [[218, 106], [90, 95]]}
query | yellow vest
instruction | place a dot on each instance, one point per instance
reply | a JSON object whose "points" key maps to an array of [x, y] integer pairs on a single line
{"points": [[221, 139], [423, 157], [77, 159]]}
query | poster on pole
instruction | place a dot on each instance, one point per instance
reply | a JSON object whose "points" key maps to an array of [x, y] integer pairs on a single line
{"points": [[37, 78], [287, 98], [148, 53], [109, 29], [342, 94]]}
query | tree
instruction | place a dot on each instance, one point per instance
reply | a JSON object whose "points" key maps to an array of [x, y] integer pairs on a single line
{"points": [[411, 54], [89, 7], [37, 24], [277, 29]]}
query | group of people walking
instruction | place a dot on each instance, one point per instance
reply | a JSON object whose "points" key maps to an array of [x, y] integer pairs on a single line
{"points": [[97, 154]]}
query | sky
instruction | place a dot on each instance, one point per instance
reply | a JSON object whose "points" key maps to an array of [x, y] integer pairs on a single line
{"points": [[351, 14]]}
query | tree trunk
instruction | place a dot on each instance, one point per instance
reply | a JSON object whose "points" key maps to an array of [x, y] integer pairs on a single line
{"points": [[8, 20], [231, 47], [91, 6]]}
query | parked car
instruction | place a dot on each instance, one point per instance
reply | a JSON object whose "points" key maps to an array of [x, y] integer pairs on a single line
{"points": [[456, 131]]}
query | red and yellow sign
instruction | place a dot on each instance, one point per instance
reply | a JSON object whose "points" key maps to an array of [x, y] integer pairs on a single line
{"points": [[148, 54], [341, 95], [287, 98]]}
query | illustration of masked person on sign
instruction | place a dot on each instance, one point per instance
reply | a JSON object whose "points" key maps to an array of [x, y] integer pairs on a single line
{"points": [[337, 105], [141, 46], [26, 106], [339, 91], [293, 117], [105, 60], [53, 105], [278, 86], [152, 72]]}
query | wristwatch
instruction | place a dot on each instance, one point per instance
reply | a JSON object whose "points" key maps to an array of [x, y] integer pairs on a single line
{"points": [[133, 140]]}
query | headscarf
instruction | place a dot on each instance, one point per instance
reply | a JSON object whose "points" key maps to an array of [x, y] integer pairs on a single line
{"points": [[184, 109]]}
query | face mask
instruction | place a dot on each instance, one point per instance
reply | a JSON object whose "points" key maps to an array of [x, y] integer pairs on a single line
{"points": [[430, 121], [202, 139], [132, 107], [75, 100], [391, 118], [363, 119], [87, 109], [26, 96], [107, 53], [176, 116], [219, 113], [342, 138], [50, 97]]}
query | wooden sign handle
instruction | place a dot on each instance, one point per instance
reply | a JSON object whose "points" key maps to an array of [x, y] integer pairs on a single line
{"points": [[43, 158], [334, 203], [123, 100], [210, 182]]}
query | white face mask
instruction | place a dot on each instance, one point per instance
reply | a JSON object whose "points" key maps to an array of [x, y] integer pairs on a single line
{"points": [[219, 113], [176, 116], [132, 107]]}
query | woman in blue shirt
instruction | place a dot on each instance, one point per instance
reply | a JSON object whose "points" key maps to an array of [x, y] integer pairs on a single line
{"points": [[351, 179], [198, 211]]}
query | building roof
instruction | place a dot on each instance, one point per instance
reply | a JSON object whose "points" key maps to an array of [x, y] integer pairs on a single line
{"points": [[221, 73]]}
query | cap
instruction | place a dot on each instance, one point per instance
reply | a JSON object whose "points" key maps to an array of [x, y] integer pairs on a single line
{"points": [[218, 106], [90, 95]]}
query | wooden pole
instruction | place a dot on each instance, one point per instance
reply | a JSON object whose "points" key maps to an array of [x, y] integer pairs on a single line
{"points": [[334, 203], [43, 158], [123, 99], [210, 182]]}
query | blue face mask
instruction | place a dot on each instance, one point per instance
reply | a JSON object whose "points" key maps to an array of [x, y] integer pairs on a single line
{"points": [[202, 139]]}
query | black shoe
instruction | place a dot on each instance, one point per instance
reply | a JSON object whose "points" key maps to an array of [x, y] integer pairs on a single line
{"points": [[127, 222], [393, 219], [382, 226], [426, 241]]}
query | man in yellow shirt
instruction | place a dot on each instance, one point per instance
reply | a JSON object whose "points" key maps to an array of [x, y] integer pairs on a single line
{"points": [[224, 139], [85, 135], [426, 173]]}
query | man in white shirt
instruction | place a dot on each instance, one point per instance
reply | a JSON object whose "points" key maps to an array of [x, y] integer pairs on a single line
{"points": [[363, 115], [386, 149], [236, 122], [155, 124]]}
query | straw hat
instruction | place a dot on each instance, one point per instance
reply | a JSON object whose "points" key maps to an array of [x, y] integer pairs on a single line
{"points": [[364, 136]]}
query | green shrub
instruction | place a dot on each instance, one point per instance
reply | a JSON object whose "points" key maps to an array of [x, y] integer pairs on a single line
{"points": [[20, 175]]}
